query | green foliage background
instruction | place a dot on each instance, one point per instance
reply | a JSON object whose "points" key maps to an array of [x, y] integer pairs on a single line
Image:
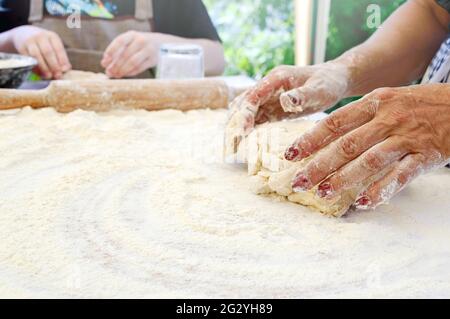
{"points": [[348, 23], [259, 34]]}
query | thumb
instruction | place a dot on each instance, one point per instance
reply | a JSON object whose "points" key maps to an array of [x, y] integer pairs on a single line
{"points": [[314, 96]]}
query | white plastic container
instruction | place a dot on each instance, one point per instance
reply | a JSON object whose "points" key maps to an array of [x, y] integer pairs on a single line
{"points": [[180, 61]]}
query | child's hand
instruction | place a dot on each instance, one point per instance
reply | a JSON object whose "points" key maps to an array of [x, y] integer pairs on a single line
{"points": [[45, 46], [131, 53]]}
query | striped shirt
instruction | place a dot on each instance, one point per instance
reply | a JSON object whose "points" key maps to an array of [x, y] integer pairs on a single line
{"points": [[439, 69]]}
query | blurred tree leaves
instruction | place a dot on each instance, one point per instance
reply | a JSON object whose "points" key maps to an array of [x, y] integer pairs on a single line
{"points": [[257, 34], [348, 27], [348, 23]]}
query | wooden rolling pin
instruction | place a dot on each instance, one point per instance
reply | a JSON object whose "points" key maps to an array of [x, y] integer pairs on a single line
{"points": [[104, 95]]}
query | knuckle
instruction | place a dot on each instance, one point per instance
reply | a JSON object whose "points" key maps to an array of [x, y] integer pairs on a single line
{"points": [[383, 93], [372, 106], [281, 70], [348, 147], [141, 39], [47, 51], [33, 39], [372, 161], [333, 123]]}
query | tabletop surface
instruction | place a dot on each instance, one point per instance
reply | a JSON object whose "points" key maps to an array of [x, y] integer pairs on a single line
{"points": [[140, 204]]}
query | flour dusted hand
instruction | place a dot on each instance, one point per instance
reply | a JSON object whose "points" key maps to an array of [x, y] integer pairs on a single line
{"points": [[391, 136], [272, 174], [286, 92]]}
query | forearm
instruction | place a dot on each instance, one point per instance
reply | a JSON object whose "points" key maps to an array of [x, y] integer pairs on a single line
{"points": [[399, 52], [213, 51], [6, 43]]}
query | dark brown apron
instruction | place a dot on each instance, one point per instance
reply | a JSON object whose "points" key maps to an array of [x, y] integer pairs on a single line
{"points": [[85, 45]]}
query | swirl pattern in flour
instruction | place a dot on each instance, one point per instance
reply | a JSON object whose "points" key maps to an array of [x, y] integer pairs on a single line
{"points": [[138, 204]]}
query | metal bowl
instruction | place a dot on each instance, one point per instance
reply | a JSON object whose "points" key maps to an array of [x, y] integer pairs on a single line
{"points": [[12, 77]]}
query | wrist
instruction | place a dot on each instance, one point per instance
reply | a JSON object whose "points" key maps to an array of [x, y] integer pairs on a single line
{"points": [[351, 62], [343, 73]]}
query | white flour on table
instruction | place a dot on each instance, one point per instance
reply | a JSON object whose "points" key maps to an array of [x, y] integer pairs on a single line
{"points": [[128, 204]]}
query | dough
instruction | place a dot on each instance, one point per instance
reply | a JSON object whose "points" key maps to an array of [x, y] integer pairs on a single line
{"points": [[84, 75], [264, 149]]}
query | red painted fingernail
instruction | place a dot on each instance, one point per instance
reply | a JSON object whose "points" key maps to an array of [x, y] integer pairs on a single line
{"points": [[363, 202], [291, 153], [294, 99], [324, 190], [249, 122], [301, 183]]}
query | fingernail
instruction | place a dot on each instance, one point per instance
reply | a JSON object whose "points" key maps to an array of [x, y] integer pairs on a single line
{"points": [[294, 100], [249, 123], [291, 153], [363, 202], [324, 190], [301, 183]]}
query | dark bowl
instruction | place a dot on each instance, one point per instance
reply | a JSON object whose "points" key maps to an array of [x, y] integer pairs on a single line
{"points": [[12, 77]]}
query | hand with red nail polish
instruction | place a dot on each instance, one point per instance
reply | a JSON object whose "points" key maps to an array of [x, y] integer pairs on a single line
{"points": [[286, 92], [381, 142], [363, 201]]}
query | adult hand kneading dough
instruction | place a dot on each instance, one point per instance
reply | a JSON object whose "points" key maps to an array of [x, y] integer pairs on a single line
{"points": [[376, 145], [271, 173]]}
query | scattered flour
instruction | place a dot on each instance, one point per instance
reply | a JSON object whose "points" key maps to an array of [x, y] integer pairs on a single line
{"points": [[132, 204]]}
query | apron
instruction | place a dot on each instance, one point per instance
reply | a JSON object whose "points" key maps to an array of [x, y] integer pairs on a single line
{"points": [[85, 45], [439, 69]]}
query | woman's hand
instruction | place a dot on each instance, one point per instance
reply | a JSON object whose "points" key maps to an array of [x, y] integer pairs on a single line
{"points": [[131, 53], [396, 132], [45, 46], [287, 91]]}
